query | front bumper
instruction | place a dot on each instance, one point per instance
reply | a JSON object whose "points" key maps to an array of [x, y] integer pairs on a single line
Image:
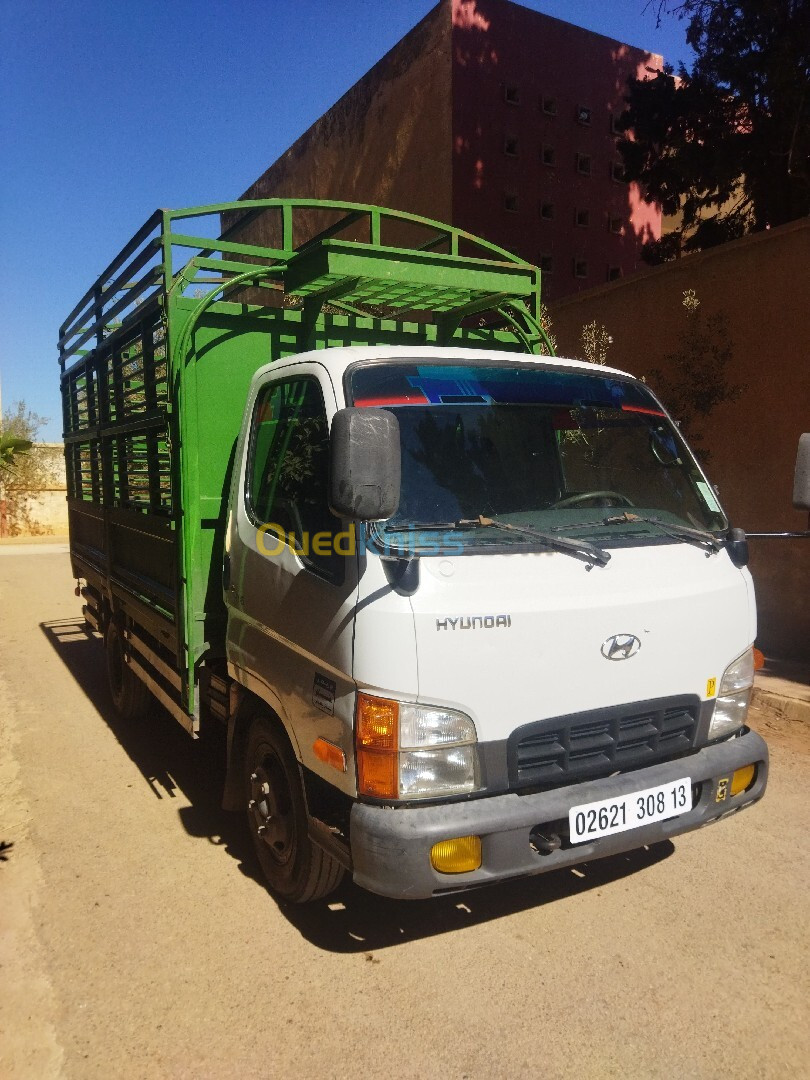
{"points": [[391, 846]]}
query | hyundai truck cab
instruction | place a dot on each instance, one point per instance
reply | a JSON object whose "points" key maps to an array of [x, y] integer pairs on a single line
{"points": [[494, 603]]}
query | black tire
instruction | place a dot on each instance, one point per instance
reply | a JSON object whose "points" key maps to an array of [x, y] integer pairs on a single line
{"points": [[129, 695], [296, 870]]}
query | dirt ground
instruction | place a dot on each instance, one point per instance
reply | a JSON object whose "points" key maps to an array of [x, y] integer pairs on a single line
{"points": [[136, 940]]}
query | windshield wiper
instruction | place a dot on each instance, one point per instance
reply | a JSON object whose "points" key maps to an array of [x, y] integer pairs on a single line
{"points": [[579, 549], [418, 526], [679, 532]]}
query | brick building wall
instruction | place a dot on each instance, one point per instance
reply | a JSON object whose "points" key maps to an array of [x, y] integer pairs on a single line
{"points": [[760, 284], [386, 141], [535, 164], [493, 118]]}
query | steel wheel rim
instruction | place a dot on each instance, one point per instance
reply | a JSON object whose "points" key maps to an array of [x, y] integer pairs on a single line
{"points": [[271, 806]]}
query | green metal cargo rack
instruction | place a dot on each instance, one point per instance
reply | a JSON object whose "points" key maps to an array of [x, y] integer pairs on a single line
{"points": [[156, 360]]}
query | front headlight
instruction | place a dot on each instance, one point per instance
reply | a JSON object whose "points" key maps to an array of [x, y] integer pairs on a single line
{"points": [[407, 751], [733, 696]]}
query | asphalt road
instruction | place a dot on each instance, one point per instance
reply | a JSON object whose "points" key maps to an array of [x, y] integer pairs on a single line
{"points": [[137, 941]]}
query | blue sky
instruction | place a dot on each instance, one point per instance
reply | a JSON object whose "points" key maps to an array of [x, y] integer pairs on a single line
{"points": [[109, 110]]}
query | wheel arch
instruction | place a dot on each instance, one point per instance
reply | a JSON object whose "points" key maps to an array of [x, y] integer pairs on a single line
{"points": [[246, 704], [319, 808]]}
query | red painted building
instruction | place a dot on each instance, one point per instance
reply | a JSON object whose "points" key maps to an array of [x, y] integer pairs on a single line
{"points": [[500, 120]]}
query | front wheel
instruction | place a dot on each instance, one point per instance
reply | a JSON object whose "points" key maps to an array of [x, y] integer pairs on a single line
{"points": [[295, 869]]}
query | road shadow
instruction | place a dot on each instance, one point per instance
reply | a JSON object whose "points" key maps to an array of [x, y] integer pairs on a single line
{"points": [[168, 760], [351, 920]]}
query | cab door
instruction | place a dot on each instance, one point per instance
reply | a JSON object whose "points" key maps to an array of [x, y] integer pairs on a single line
{"points": [[292, 580]]}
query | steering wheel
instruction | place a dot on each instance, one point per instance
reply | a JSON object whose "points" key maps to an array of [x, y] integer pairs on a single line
{"points": [[589, 496]]}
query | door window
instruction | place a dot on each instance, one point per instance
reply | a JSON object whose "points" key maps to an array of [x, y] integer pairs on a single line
{"points": [[288, 475]]}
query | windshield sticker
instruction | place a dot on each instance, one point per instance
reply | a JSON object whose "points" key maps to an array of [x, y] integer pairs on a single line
{"points": [[449, 391], [414, 398], [708, 496], [642, 409], [440, 384]]}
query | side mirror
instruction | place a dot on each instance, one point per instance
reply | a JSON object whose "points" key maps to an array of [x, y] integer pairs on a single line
{"points": [[365, 460], [737, 547], [801, 477]]}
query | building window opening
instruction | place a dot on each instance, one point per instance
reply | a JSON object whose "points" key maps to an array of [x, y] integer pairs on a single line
{"points": [[580, 268], [583, 115], [547, 154], [510, 146], [511, 95], [584, 164], [549, 106], [615, 129], [617, 171], [582, 218], [615, 225], [546, 264], [510, 203], [614, 273], [547, 211]]}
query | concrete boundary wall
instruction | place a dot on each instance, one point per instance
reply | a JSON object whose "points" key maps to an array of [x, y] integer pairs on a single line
{"points": [[47, 504]]}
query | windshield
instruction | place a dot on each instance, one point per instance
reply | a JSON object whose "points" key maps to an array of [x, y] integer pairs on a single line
{"points": [[568, 453]]}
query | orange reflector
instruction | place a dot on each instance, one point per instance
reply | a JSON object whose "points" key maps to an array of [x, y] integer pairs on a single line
{"points": [[330, 754], [759, 660], [377, 773], [377, 722], [743, 779], [457, 856]]}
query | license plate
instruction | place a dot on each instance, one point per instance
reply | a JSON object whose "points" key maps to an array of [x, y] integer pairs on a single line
{"points": [[592, 820]]}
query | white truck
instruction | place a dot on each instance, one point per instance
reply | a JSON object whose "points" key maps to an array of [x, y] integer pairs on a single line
{"points": [[476, 613]]}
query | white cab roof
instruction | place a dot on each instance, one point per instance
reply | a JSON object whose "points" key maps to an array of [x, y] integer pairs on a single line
{"points": [[338, 359]]}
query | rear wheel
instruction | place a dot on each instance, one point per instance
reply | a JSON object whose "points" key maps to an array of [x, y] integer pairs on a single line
{"points": [[296, 869], [129, 695]]}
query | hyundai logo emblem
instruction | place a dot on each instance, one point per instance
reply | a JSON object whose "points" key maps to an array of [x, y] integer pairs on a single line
{"points": [[620, 647]]}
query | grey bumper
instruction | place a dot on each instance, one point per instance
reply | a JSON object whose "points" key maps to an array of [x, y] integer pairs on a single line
{"points": [[391, 846]]}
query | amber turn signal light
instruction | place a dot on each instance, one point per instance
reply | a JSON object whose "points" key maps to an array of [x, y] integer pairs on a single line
{"points": [[377, 747], [377, 723]]}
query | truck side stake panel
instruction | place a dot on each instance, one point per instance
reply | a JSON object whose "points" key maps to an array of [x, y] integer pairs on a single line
{"points": [[462, 610]]}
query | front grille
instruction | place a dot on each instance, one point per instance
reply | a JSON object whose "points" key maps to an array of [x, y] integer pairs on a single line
{"points": [[601, 742]]}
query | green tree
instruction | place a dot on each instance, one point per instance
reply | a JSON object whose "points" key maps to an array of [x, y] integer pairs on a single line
{"points": [[10, 448], [24, 469], [726, 144]]}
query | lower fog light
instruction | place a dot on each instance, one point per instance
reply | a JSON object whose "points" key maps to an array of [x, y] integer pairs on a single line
{"points": [[743, 779], [457, 856]]}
